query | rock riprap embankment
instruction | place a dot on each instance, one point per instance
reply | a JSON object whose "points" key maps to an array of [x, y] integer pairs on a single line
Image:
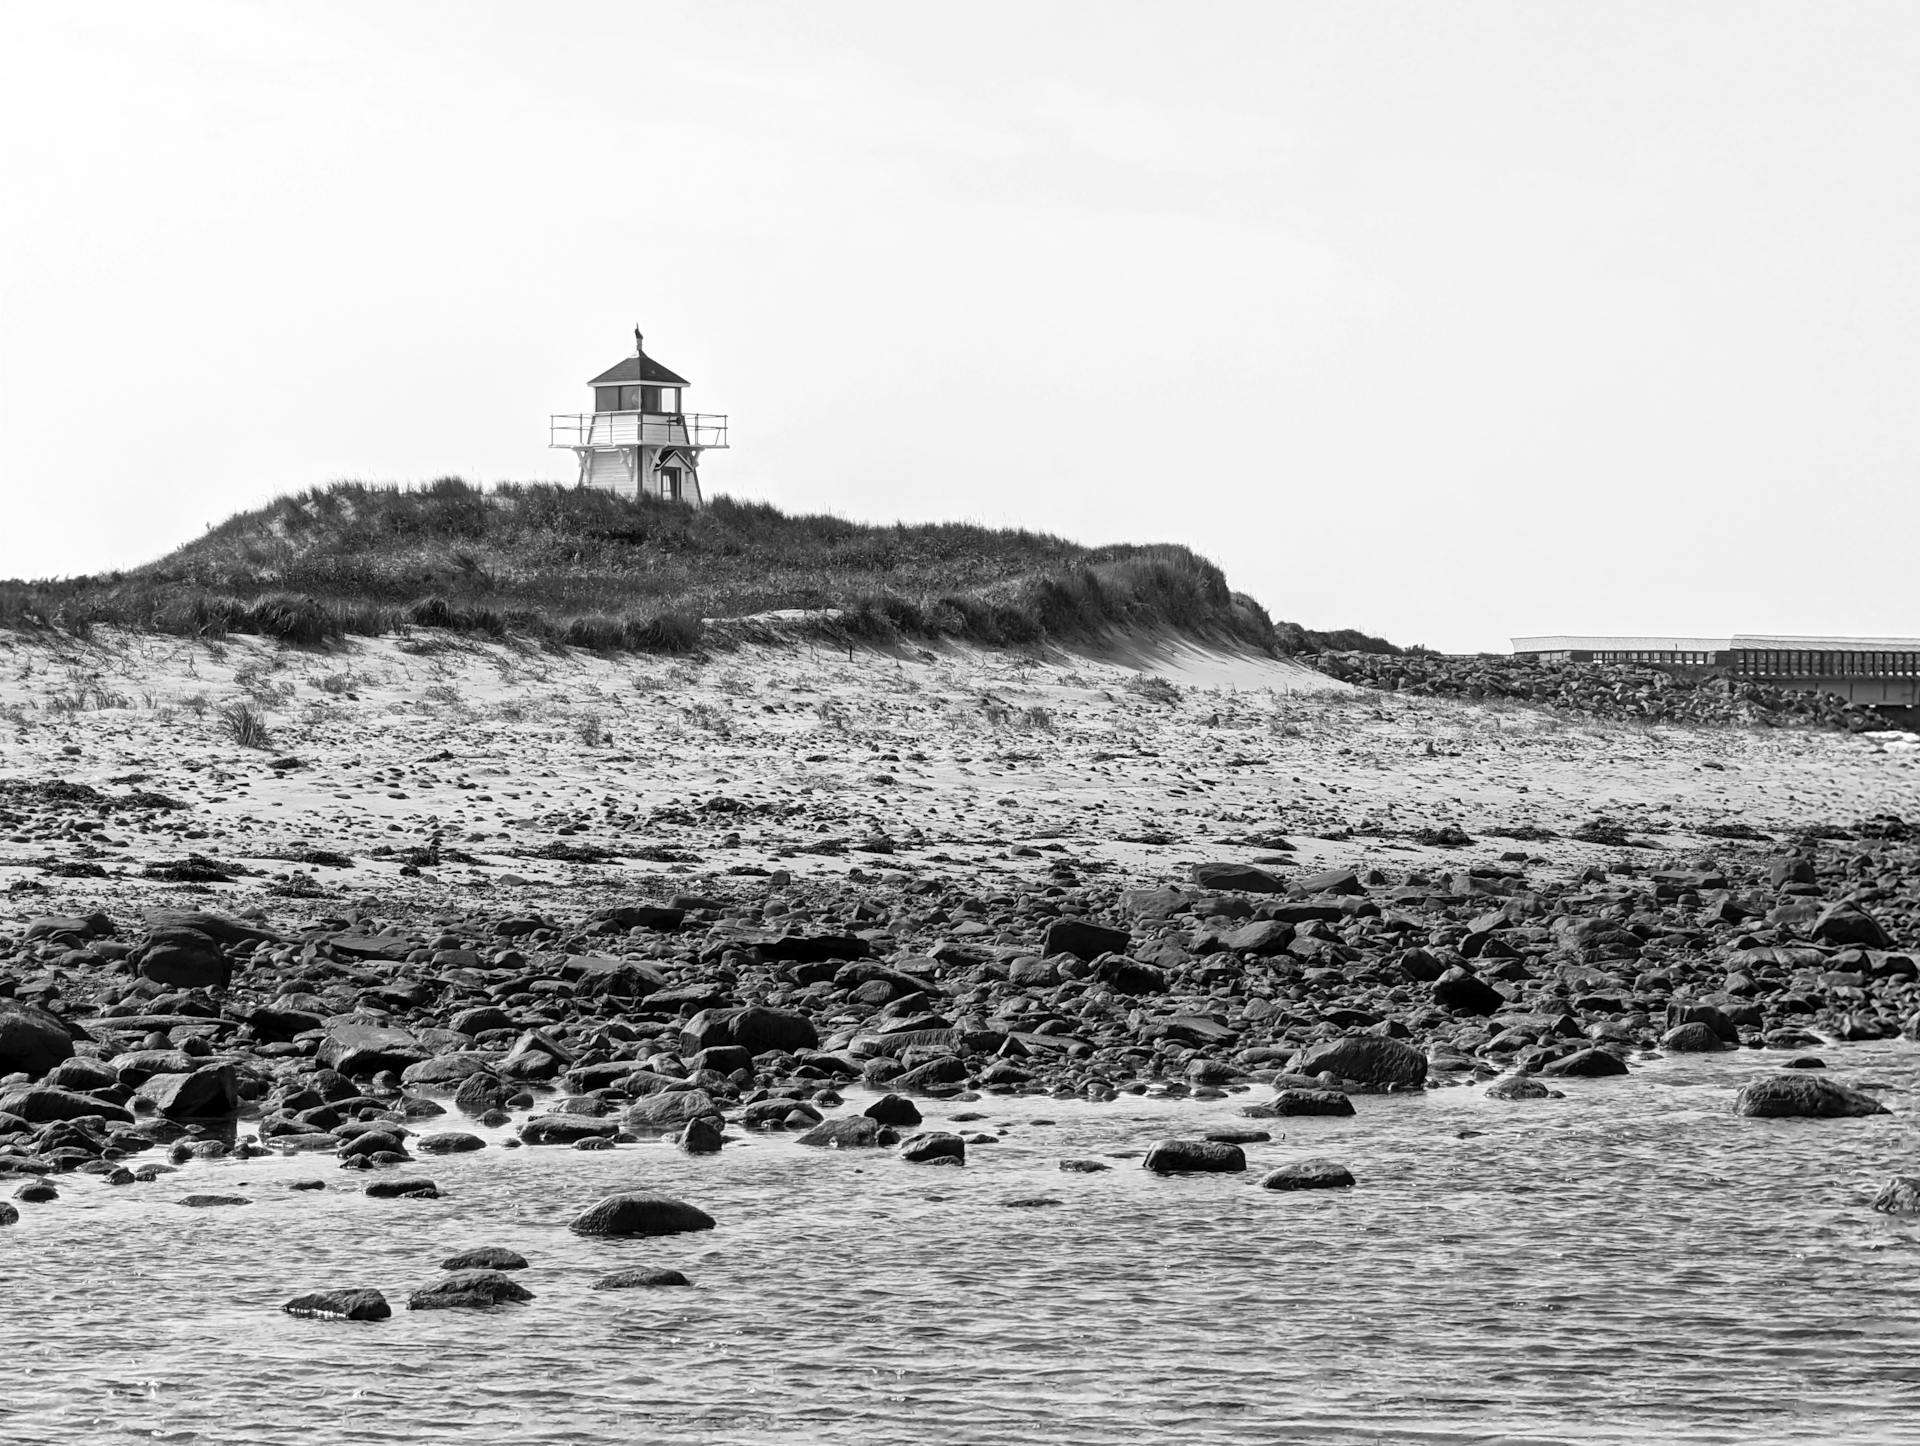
{"points": [[1598, 690]]}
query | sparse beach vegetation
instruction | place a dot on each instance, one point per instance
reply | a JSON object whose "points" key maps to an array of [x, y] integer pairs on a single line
{"points": [[566, 566]]}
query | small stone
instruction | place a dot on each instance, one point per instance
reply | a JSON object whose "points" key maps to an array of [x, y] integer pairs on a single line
{"points": [[485, 1257], [1899, 1196], [1519, 1087]]}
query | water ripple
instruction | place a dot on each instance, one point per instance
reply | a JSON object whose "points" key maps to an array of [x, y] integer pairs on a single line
{"points": [[1630, 1264]]}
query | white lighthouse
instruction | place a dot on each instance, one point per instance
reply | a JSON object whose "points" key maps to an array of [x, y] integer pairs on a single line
{"points": [[637, 441]]}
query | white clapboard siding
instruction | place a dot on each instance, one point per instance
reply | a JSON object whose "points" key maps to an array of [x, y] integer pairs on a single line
{"points": [[610, 469]]}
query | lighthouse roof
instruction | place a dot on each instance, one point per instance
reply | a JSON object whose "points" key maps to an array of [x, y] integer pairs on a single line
{"points": [[641, 368]]}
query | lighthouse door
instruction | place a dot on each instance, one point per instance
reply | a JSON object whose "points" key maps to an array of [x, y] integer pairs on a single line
{"points": [[670, 483]]}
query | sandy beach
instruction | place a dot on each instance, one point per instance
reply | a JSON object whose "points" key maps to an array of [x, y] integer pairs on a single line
{"points": [[658, 775]]}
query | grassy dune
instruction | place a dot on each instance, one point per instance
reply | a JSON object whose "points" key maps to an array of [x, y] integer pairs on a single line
{"points": [[570, 565]]}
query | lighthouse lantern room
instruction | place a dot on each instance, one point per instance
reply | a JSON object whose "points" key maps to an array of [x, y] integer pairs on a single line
{"points": [[637, 441]]}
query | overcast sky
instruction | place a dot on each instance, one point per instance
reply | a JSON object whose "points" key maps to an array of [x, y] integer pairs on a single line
{"points": [[1446, 321]]}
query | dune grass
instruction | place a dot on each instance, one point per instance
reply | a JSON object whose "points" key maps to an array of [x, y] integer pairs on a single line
{"points": [[584, 568]]}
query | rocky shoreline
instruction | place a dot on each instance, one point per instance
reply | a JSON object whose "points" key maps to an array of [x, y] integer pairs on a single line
{"points": [[965, 878], [191, 1034]]}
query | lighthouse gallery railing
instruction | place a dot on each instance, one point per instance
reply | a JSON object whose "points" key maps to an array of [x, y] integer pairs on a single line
{"points": [[628, 429]]}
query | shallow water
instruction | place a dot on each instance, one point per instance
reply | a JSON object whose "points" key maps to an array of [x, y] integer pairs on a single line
{"points": [[1631, 1263]]}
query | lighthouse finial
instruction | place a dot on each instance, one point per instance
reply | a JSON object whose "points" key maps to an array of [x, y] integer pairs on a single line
{"points": [[636, 340]]}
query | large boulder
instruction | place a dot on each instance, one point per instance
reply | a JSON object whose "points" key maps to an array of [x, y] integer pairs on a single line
{"points": [[1307, 1175], [1307, 1102], [217, 927], [69, 930], [365, 1049], [1848, 924], [448, 1069], [670, 1110], [1461, 991], [754, 1029], [639, 1212], [136, 1066], [934, 1145], [1083, 940], [566, 1129], [1130, 976], [210, 1092], [816, 949], [703, 1136], [340, 1305], [640, 1277], [184, 957], [1263, 937], [1775, 1096], [1186, 1157], [1680, 1015], [468, 1289], [386, 1139], [278, 1022], [38, 1105], [478, 1094], [893, 1110], [82, 1073], [451, 1142], [1332, 881], [1592, 1063], [939, 1073], [403, 1189], [1695, 1038], [32, 1041], [758, 1030], [641, 916], [1238, 879], [1371, 1059], [848, 1132], [781, 1113]]}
